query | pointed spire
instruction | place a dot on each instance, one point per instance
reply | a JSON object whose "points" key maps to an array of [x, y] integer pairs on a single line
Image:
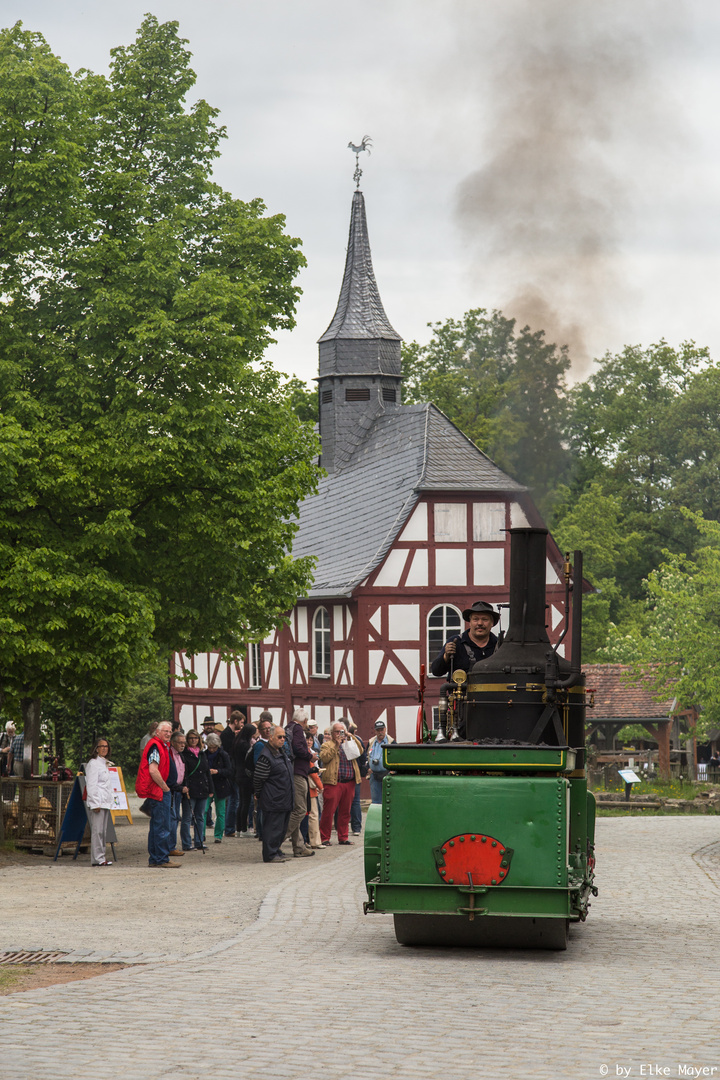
{"points": [[360, 313]]}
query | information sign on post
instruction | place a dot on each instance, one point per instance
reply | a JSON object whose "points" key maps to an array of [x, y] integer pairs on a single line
{"points": [[630, 777]]}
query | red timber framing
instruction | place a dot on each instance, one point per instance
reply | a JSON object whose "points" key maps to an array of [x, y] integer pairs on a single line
{"points": [[453, 549]]}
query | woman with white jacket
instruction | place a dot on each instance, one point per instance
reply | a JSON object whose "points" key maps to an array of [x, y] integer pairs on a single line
{"points": [[98, 786]]}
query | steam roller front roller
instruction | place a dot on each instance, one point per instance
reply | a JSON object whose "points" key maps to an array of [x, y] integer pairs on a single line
{"points": [[487, 932]]}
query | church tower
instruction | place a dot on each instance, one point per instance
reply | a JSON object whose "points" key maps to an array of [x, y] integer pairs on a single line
{"points": [[359, 373]]}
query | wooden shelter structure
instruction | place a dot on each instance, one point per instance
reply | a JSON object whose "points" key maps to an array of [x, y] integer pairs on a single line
{"points": [[619, 701]]}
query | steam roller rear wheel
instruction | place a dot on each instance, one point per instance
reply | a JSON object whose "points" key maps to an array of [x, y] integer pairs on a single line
{"points": [[486, 932]]}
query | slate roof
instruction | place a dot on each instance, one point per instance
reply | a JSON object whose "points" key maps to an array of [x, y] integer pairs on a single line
{"points": [[616, 698], [359, 510], [360, 312]]}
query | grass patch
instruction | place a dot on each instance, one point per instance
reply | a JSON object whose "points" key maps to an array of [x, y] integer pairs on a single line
{"points": [[8, 978]]}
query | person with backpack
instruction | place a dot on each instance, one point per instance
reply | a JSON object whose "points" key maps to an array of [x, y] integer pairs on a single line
{"points": [[376, 745]]}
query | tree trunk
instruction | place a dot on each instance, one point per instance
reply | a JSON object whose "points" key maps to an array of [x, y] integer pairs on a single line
{"points": [[31, 731], [690, 758], [663, 738]]}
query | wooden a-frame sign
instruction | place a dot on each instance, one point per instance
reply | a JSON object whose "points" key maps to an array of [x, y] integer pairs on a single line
{"points": [[122, 807]]}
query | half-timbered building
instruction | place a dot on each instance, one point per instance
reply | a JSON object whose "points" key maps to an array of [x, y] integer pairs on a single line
{"points": [[409, 527]]}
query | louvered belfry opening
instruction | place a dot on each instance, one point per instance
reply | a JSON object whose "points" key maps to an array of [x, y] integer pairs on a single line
{"points": [[360, 372]]}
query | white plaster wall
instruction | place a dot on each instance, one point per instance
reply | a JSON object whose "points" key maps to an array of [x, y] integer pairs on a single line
{"points": [[337, 658], [392, 568], [405, 722], [489, 566], [450, 567], [403, 622], [392, 676], [551, 577], [411, 659], [518, 518], [417, 525], [302, 624], [374, 661], [186, 716], [418, 573], [273, 679], [375, 620], [202, 681]]}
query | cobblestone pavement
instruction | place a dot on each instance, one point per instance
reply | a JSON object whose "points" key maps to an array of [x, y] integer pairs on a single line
{"points": [[314, 988]]}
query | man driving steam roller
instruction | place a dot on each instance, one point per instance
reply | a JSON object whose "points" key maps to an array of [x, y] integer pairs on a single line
{"points": [[476, 643]]}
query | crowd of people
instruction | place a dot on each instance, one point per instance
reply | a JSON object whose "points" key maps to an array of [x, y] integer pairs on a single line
{"points": [[278, 785]]}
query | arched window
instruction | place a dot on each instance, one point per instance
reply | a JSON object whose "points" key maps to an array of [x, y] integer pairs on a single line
{"points": [[443, 623], [321, 642]]}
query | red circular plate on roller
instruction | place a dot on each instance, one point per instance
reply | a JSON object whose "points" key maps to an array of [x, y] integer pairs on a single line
{"points": [[473, 859]]}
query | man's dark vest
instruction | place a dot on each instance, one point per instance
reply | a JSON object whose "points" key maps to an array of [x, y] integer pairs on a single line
{"points": [[277, 794]]}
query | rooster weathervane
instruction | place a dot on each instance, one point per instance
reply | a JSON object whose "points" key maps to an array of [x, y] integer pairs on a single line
{"points": [[357, 151]]}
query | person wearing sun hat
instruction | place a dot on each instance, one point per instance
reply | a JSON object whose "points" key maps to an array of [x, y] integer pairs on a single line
{"points": [[476, 643]]}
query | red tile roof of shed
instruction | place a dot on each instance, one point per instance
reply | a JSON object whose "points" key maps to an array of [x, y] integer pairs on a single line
{"points": [[616, 696]]}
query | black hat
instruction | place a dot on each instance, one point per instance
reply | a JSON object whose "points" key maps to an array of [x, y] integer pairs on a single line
{"points": [[480, 607]]}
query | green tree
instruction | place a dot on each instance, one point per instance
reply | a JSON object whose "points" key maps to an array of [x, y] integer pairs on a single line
{"points": [[302, 399], [592, 523], [632, 429], [504, 388], [123, 718], [674, 644], [151, 463]]}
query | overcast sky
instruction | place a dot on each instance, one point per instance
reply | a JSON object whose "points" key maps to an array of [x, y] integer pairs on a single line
{"points": [[564, 150]]}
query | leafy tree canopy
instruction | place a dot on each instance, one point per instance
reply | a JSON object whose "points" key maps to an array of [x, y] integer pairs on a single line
{"points": [[633, 429], [676, 639], [122, 718], [504, 388], [151, 462], [303, 399], [591, 523]]}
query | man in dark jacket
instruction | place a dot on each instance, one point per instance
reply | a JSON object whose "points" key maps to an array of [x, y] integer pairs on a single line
{"points": [[477, 643], [274, 787], [302, 758]]}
